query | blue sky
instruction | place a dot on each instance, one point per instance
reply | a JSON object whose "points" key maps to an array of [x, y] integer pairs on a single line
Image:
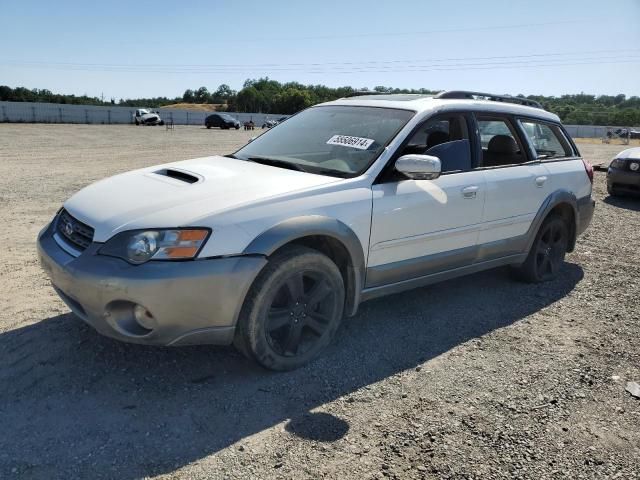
{"points": [[152, 48]]}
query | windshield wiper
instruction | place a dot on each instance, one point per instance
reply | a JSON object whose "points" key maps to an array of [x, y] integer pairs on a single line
{"points": [[277, 163]]}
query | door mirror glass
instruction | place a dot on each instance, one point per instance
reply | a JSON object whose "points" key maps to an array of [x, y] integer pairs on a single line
{"points": [[419, 167]]}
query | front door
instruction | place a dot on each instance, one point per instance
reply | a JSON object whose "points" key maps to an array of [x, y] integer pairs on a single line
{"points": [[421, 227]]}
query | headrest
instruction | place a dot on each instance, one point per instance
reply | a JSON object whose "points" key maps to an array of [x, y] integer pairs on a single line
{"points": [[502, 144], [436, 138]]}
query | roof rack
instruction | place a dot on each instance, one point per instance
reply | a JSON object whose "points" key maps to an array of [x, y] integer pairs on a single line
{"points": [[361, 93], [463, 94]]}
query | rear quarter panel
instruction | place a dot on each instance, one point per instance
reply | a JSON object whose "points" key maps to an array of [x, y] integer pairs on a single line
{"points": [[569, 175]]}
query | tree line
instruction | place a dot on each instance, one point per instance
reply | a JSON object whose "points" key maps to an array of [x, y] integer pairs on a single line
{"points": [[264, 95]]}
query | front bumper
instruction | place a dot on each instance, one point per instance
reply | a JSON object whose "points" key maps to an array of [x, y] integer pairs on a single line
{"points": [[192, 302], [623, 180]]}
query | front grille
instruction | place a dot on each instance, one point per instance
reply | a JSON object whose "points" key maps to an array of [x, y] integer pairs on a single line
{"points": [[74, 231]]}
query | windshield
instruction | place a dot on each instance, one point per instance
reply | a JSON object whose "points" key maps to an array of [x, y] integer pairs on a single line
{"points": [[143, 111], [334, 140]]}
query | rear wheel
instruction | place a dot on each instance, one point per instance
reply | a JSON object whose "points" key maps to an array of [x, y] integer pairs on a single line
{"points": [[292, 311], [547, 252]]}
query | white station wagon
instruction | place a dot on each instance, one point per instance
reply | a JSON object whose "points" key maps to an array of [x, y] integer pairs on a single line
{"points": [[268, 248]]}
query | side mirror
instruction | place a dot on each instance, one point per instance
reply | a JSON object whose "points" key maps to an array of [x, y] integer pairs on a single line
{"points": [[419, 167]]}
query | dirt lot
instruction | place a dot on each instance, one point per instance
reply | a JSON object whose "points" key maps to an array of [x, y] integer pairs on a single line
{"points": [[477, 378]]}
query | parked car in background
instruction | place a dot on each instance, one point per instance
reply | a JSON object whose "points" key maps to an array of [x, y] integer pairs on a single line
{"points": [[223, 121], [268, 248], [143, 116], [272, 123], [623, 133], [623, 174]]}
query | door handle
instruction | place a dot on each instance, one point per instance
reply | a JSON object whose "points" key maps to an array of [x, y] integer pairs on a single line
{"points": [[540, 181], [470, 191]]}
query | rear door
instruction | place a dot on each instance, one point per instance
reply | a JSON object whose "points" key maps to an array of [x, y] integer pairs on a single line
{"points": [[517, 184], [551, 146]]}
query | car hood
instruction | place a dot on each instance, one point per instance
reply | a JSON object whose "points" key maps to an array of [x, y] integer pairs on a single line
{"points": [[629, 153], [154, 198], [149, 115]]}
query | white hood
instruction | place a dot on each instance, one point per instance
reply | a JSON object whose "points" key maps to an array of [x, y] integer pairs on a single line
{"points": [[147, 199], [630, 153]]}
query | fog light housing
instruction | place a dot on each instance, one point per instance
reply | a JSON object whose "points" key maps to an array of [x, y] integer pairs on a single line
{"points": [[129, 318], [144, 317]]}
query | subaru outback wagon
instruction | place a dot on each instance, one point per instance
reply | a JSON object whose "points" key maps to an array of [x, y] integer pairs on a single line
{"points": [[268, 248]]}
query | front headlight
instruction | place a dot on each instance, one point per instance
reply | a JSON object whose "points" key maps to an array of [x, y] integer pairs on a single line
{"points": [[140, 246], [618, 163]]}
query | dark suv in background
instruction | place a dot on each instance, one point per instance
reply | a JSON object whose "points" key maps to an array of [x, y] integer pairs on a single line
{"points": [[221, 120]]}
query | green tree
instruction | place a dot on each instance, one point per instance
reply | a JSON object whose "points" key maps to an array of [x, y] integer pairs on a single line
{"points": [[291, 101]]}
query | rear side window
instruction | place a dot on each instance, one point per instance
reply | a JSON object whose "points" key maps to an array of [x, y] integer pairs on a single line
{"points": [[500, 144], [547, 140]]}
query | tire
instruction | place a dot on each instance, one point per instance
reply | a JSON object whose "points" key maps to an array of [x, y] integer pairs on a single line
{"points": [[611, 191], [292, 310], [161, 123], [237, 127], [137, 123], [547, 253], [208, 126]]}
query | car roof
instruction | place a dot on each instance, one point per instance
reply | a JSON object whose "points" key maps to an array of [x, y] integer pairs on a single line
{"points": [[423, 103]]}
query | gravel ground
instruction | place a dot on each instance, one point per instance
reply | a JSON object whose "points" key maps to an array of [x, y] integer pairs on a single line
{"points": [[481, 377]]}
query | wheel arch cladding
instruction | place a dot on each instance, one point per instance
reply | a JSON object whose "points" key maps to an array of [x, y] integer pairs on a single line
{"points": [[563, 203], [327, 235]]}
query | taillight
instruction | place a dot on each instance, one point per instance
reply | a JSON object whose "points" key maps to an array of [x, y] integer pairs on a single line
{"points": [[589, 169]]}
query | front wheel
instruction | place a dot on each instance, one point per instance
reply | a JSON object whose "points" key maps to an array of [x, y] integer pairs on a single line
{"points": [[547, 253], [292, 311]]}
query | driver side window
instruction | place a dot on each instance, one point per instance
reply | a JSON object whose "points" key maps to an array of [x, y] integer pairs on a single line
{"points": [[445, 137]]}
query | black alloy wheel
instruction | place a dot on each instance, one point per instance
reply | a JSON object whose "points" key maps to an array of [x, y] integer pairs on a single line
{"points": [[547, 253], [292, 310], [300, 313]]}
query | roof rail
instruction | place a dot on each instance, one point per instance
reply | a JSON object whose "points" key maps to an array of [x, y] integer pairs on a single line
{"points": [[361, 93], [463, 94]]}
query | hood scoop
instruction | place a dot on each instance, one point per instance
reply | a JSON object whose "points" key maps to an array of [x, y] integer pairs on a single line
{"points": [[179, 175]]}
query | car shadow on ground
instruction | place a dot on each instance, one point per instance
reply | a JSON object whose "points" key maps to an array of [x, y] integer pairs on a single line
{"points": [[75, 404], [627, 202]]}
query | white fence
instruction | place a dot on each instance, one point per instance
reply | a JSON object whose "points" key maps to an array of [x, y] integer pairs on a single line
{"points": [[27, 112]]}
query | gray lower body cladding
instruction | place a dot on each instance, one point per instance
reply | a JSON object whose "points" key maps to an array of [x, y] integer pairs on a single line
{"points": [[415, 272], [192, 302]]}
